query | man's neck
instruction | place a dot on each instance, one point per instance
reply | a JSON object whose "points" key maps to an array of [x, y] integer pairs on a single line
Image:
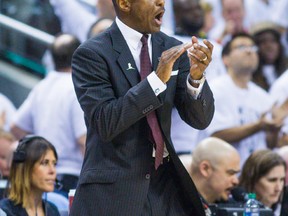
{"points": [[65, 70], [241, 79]]}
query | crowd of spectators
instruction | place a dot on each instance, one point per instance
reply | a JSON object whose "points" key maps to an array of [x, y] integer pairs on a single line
{"points": [[248, 77]]}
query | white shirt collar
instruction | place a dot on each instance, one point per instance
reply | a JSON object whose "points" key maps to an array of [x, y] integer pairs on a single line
{"points": [[131, 36]]}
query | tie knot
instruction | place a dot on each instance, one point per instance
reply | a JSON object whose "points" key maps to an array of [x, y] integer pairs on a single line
{"points": [[144, 39]]}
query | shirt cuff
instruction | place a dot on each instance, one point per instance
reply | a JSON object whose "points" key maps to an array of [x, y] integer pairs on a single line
{"points": [[194, 92], [156, 84]]}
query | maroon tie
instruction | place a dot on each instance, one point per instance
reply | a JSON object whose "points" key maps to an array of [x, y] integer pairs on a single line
{"points": [[145, 70]]}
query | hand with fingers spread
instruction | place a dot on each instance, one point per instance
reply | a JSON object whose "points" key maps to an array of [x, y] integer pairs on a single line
{"points": [[167, 60], [200, 57], [279, 113]]}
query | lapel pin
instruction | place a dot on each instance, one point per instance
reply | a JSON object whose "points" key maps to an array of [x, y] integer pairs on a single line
{"points": [[130, 67]]}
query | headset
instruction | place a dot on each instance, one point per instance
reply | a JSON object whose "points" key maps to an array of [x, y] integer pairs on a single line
{"points": [[19, 155]]}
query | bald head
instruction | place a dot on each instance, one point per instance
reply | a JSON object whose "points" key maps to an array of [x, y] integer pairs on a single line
{"points": [[214, 169], [99, 26], [214, 150], [62, 51]]}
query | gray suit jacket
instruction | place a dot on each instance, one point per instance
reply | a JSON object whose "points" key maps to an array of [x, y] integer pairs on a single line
{"points": [[115, 174]]}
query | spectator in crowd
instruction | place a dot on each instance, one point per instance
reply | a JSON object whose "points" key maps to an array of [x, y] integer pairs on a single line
{"points": [[280, 16], [189, 17], [118, 103], [51, 110], [279, 92], [241, 107], [84, 24], [7, 112], [99, 26], [264, 174], [209, 20], [6, 149], [272, 59], [214, 169], [265, 11], [233, 13], [189, 20], [33, 172], [77, 20]]}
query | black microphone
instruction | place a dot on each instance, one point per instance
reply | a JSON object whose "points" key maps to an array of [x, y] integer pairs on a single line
{"points": [[239, 194]]}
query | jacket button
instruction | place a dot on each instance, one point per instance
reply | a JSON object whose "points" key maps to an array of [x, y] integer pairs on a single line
{"points": [[147, 176]]}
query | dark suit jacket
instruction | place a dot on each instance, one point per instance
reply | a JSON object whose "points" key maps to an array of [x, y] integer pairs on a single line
{"points": [[115, 174], [12, 209]]}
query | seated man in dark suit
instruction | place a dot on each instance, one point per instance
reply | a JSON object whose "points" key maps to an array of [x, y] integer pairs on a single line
{"points": [[127, 79]]}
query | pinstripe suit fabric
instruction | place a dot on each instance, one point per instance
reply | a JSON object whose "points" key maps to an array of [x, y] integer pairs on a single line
{"points": [[116, 171]]}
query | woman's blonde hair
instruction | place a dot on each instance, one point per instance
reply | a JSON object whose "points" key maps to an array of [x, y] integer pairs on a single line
{"points": [[30, 150]]}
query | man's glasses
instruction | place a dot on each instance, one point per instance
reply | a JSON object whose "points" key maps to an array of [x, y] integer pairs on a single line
{"points": [[246, 48]]}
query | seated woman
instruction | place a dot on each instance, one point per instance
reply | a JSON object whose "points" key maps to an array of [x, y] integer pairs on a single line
{"points": [[32, 173], [263, 173]]}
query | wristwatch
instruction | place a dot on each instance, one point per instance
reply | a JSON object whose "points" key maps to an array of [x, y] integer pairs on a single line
{"points": [[200, 81]]}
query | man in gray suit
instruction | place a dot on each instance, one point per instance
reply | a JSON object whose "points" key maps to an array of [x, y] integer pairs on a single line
{"points": [[121, 173]]}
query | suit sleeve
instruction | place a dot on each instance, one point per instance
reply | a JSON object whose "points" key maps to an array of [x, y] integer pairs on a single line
{"points": [[104, 111], [196, 113]]}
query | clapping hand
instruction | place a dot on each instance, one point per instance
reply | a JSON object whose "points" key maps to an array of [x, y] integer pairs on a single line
{"points": [[200, 57]]}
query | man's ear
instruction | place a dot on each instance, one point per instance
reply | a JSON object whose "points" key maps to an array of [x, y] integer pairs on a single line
{"points": [[124, 5], [225, 60], [205, 168]]}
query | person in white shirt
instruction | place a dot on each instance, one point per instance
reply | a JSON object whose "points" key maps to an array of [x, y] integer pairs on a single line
{"points": [[51, 110], [189, 20], [241, 107], [233, 13], [279, 92], [77, 20], [7, 112]]}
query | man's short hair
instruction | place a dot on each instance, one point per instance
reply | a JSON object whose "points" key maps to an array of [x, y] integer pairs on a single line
{"points": [[62, 52]]}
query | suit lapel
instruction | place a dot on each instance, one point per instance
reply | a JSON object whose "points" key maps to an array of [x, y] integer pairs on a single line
{"points": [[125, 58], [126, 61], [157, 49]]}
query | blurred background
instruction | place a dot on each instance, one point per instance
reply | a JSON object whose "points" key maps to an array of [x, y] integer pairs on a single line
{"points": [[27, 28]]}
